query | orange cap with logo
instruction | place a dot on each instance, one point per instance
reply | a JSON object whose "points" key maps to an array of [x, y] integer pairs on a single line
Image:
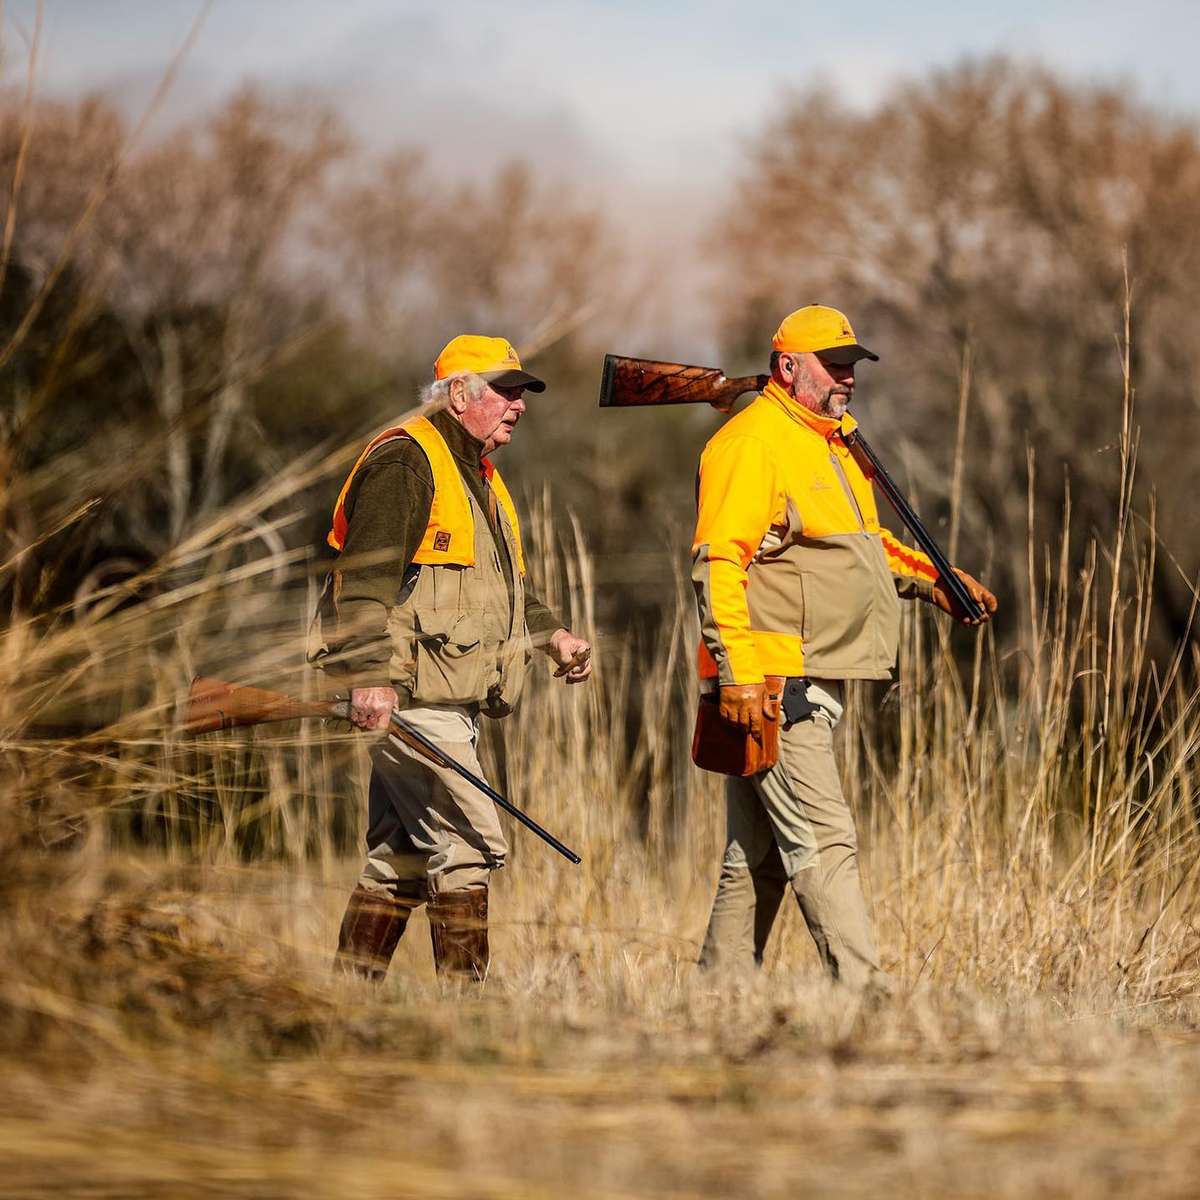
{"points": [[825, 332], [491, 358]]}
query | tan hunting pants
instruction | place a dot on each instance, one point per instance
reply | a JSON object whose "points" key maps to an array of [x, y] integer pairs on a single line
{"points": [[791, 825], [426, 825]]}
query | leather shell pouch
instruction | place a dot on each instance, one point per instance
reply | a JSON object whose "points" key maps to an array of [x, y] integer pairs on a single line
{"points": [[719, 745]]}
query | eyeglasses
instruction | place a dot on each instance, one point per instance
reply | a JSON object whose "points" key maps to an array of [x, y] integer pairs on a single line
{"points": [[509, 393]]}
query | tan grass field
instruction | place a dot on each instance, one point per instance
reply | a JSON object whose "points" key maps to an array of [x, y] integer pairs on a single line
{"points": [[1026, 798], [169, 1025]]}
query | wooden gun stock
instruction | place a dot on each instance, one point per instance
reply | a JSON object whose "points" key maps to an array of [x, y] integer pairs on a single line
{"points": [[214, 704], [640, 382]]}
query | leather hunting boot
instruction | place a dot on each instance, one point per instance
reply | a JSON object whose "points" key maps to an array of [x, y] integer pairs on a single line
{"points": [[371, 930], [458, 926]]}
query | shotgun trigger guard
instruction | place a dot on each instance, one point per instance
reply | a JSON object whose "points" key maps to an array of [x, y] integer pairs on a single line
{"points": [[796, 704]]}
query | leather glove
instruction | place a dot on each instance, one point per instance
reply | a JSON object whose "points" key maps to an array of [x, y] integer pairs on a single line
{"points": [[746, 704], [979, 594]]}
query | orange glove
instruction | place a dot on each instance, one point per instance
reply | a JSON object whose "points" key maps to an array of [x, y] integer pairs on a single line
{"points": [[979, 594], [746, 704]]}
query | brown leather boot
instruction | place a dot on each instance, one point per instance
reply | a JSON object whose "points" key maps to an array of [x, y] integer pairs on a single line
{"points": [[371, 931], [458, 926]]}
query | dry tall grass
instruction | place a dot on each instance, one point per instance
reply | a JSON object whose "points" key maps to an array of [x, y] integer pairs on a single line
{"points": [[169, 1025]]}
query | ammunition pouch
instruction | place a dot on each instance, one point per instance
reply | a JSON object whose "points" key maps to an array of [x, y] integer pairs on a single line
{"points": [[728, 749]]}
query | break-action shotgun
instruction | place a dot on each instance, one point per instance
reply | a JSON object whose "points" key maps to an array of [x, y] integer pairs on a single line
{"points": [[643, 382], [214, 704]]}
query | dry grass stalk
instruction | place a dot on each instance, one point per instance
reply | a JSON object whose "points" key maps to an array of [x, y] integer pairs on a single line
{"points": [[1031, 839]]}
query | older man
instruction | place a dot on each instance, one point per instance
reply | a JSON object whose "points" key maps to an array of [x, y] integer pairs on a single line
{"points": [[795, 577], [427, 611]]}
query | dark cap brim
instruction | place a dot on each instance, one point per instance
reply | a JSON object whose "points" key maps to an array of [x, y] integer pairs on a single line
{"points": [[511, 378], [843, 356]]}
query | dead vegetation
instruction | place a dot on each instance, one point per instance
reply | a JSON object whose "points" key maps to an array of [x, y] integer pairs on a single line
{"points": [[168, 1021], [169, 1024]]}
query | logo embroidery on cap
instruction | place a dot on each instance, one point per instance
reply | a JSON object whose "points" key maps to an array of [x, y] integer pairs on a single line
{"points": [[441, 540]]}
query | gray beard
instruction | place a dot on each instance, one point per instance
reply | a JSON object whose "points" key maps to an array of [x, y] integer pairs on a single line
{"points": [[836, 403]]}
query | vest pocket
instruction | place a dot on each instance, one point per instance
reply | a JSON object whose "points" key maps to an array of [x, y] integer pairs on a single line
{"points": [[449, 658]]}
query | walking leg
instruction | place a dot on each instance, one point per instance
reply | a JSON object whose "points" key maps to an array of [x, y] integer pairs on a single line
{"points": [[737, 929]]}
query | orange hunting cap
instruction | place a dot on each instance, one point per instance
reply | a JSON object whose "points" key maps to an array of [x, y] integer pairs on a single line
{"points": [[491, 358], [822, 331]]}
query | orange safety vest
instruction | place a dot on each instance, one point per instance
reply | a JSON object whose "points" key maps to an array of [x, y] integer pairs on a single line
{"points": [[449, 538]]}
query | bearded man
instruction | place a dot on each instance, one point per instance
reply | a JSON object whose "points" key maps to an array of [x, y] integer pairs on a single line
{"points": [[796, 578]]}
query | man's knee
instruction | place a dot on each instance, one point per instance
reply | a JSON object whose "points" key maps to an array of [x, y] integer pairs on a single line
{"points": [[402, 877], [735, 886], [470, 850]]}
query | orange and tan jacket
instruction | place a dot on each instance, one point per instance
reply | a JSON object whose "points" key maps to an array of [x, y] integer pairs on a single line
{"points": [[793, 573]]}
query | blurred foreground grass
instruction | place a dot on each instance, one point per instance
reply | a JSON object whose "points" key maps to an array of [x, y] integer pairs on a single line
{"points": [[176, 1032]]}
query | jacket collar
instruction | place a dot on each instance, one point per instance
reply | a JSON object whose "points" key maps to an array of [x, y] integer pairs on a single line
{"points": [[465, 447], [825, 427]]}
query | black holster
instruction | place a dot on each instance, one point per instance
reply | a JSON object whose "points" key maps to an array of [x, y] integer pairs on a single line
{"points": [[796, 704]]}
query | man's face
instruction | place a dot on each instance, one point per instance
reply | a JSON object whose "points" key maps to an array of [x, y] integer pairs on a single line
{"points": [[492, 416], [823, 387]]}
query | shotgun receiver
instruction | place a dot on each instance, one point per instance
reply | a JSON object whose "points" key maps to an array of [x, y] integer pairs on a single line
{"points": [[639, 382], [214, 704]]}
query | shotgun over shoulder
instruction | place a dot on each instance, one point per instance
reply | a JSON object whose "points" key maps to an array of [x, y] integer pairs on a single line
{"points": [[642, 382]]}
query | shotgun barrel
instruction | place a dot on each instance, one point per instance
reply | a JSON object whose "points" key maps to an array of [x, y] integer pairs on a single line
{"points": [[872, 468], [419, 742]]}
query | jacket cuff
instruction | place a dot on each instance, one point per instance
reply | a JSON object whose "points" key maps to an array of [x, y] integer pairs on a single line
{"points": [[360, 679], [915, 587], [541, 623], [358, 667], [746, 677]]}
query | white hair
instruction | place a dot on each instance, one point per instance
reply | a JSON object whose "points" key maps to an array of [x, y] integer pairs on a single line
{"points": [[437, 393]]}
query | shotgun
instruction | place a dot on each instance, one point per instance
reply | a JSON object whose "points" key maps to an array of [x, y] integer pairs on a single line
{"points": [[641, 382], [213, 704]]}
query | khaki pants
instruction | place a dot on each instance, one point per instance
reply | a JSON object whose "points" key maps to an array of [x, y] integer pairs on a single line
{"points": [[426, 825], [791, 825]]}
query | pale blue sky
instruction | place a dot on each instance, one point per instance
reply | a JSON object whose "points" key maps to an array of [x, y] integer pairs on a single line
{"points": [[632, 88]]}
